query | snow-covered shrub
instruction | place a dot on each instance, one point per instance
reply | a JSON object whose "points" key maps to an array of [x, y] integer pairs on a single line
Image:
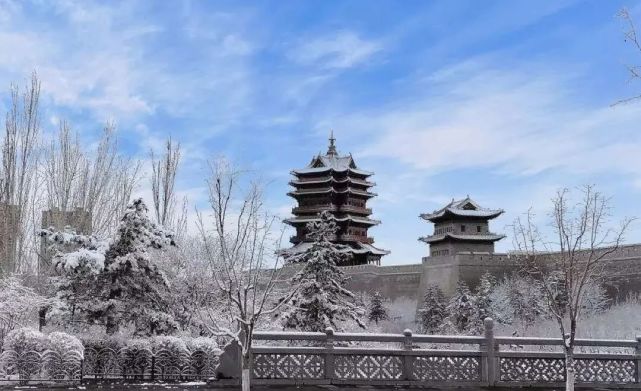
{"points": [[22, 354], [19, 305], [204, 355], [25, 340], [64, 356], [171, 354], [135, 357], [203, 344]]}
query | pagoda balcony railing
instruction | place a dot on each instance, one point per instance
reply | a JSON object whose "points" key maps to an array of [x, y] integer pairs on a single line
{"points": [[325, 178], [346, 238], [357, 238], [356, 209], [473, 233], [314, 208]]}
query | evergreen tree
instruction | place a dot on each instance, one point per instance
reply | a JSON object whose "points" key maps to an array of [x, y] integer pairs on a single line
{"points": [[462, 310], [115, 282], [432, 312], [377, 310], [487, 283], [321, 300]]}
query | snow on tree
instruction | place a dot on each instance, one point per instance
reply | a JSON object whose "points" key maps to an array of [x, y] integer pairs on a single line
{"points": [[432, 312], [377, 310], [239, 253], [578, 256], [321, 300], [517, 299], [462, 311], [484, 290], [115, 282], [18, 305]]}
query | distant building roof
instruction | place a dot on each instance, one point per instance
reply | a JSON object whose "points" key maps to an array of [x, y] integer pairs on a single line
{"points": [[331, 161], [464, 208], [480, 237], [357, 219], [352, 248]]}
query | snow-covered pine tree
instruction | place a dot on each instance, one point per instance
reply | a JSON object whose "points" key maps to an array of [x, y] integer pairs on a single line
{"points": [[115, 282], [487, 283], [377, 310], [432, 311], [321, 300], [462, 312]]}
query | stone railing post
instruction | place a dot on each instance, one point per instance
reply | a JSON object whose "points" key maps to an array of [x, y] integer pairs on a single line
{"points": [[489, 348], [329, 353], [407, 359], [637, 352]]}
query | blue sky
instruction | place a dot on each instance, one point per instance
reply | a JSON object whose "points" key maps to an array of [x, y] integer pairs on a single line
{"points": [[503, 100]]}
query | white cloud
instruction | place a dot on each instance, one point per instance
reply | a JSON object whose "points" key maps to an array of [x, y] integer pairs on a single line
{"points": [[516, 122], [344, 49]]}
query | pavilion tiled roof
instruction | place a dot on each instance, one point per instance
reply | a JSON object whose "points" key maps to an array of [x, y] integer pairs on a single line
{"points": [[480, 237], [465, 208]]}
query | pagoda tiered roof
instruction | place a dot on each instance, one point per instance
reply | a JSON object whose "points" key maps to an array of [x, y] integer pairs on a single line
{"points": [[491, 237], [323, 190], [331, 162], [462, 208], [308, 219], [333, 183], [331, 179], [351, 247]]}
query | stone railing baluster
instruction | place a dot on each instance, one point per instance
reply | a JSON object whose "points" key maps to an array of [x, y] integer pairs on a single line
{"points": [[637, 352], [329, 353], [407, 359], [489, 348]]}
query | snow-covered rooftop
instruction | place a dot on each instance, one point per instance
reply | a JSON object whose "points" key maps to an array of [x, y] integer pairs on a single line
{"points": [[332, 161], [480, 237], [357, 219], [465, 207], [352, 248]]}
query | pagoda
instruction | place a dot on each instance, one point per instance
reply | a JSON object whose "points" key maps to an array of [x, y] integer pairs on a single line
{"points": [[461, 227], [334, 183]]}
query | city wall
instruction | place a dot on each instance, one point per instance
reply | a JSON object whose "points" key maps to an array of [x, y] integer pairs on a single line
{"points": [[410, 281]]}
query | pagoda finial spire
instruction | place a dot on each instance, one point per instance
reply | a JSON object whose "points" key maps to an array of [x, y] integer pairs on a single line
{"points": [[332, 147]]}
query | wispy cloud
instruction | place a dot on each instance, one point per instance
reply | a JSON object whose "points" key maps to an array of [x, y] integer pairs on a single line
{"points": [[518, 122], [344, 49]]}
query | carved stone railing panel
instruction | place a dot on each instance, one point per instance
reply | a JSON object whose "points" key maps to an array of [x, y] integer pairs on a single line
{"points": [[588, 370], [368, 367], [531, 369], [446, 368], [605, 370], [288, 366]]}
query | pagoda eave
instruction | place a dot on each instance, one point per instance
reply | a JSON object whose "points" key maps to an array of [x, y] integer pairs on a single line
{"points": [[459, 237], [436, 217]]}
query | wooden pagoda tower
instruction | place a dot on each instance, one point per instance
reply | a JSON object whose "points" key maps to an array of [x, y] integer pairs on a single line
{"points": [[334, 183], [461, 227]]}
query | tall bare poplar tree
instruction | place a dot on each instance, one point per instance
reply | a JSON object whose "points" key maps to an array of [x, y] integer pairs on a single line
{"points": [[163, 181], [99, 182], [18, 179]]}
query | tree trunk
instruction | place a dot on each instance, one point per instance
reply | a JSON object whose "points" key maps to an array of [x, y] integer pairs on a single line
{"points": [[246, 375], [569, 369]]}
